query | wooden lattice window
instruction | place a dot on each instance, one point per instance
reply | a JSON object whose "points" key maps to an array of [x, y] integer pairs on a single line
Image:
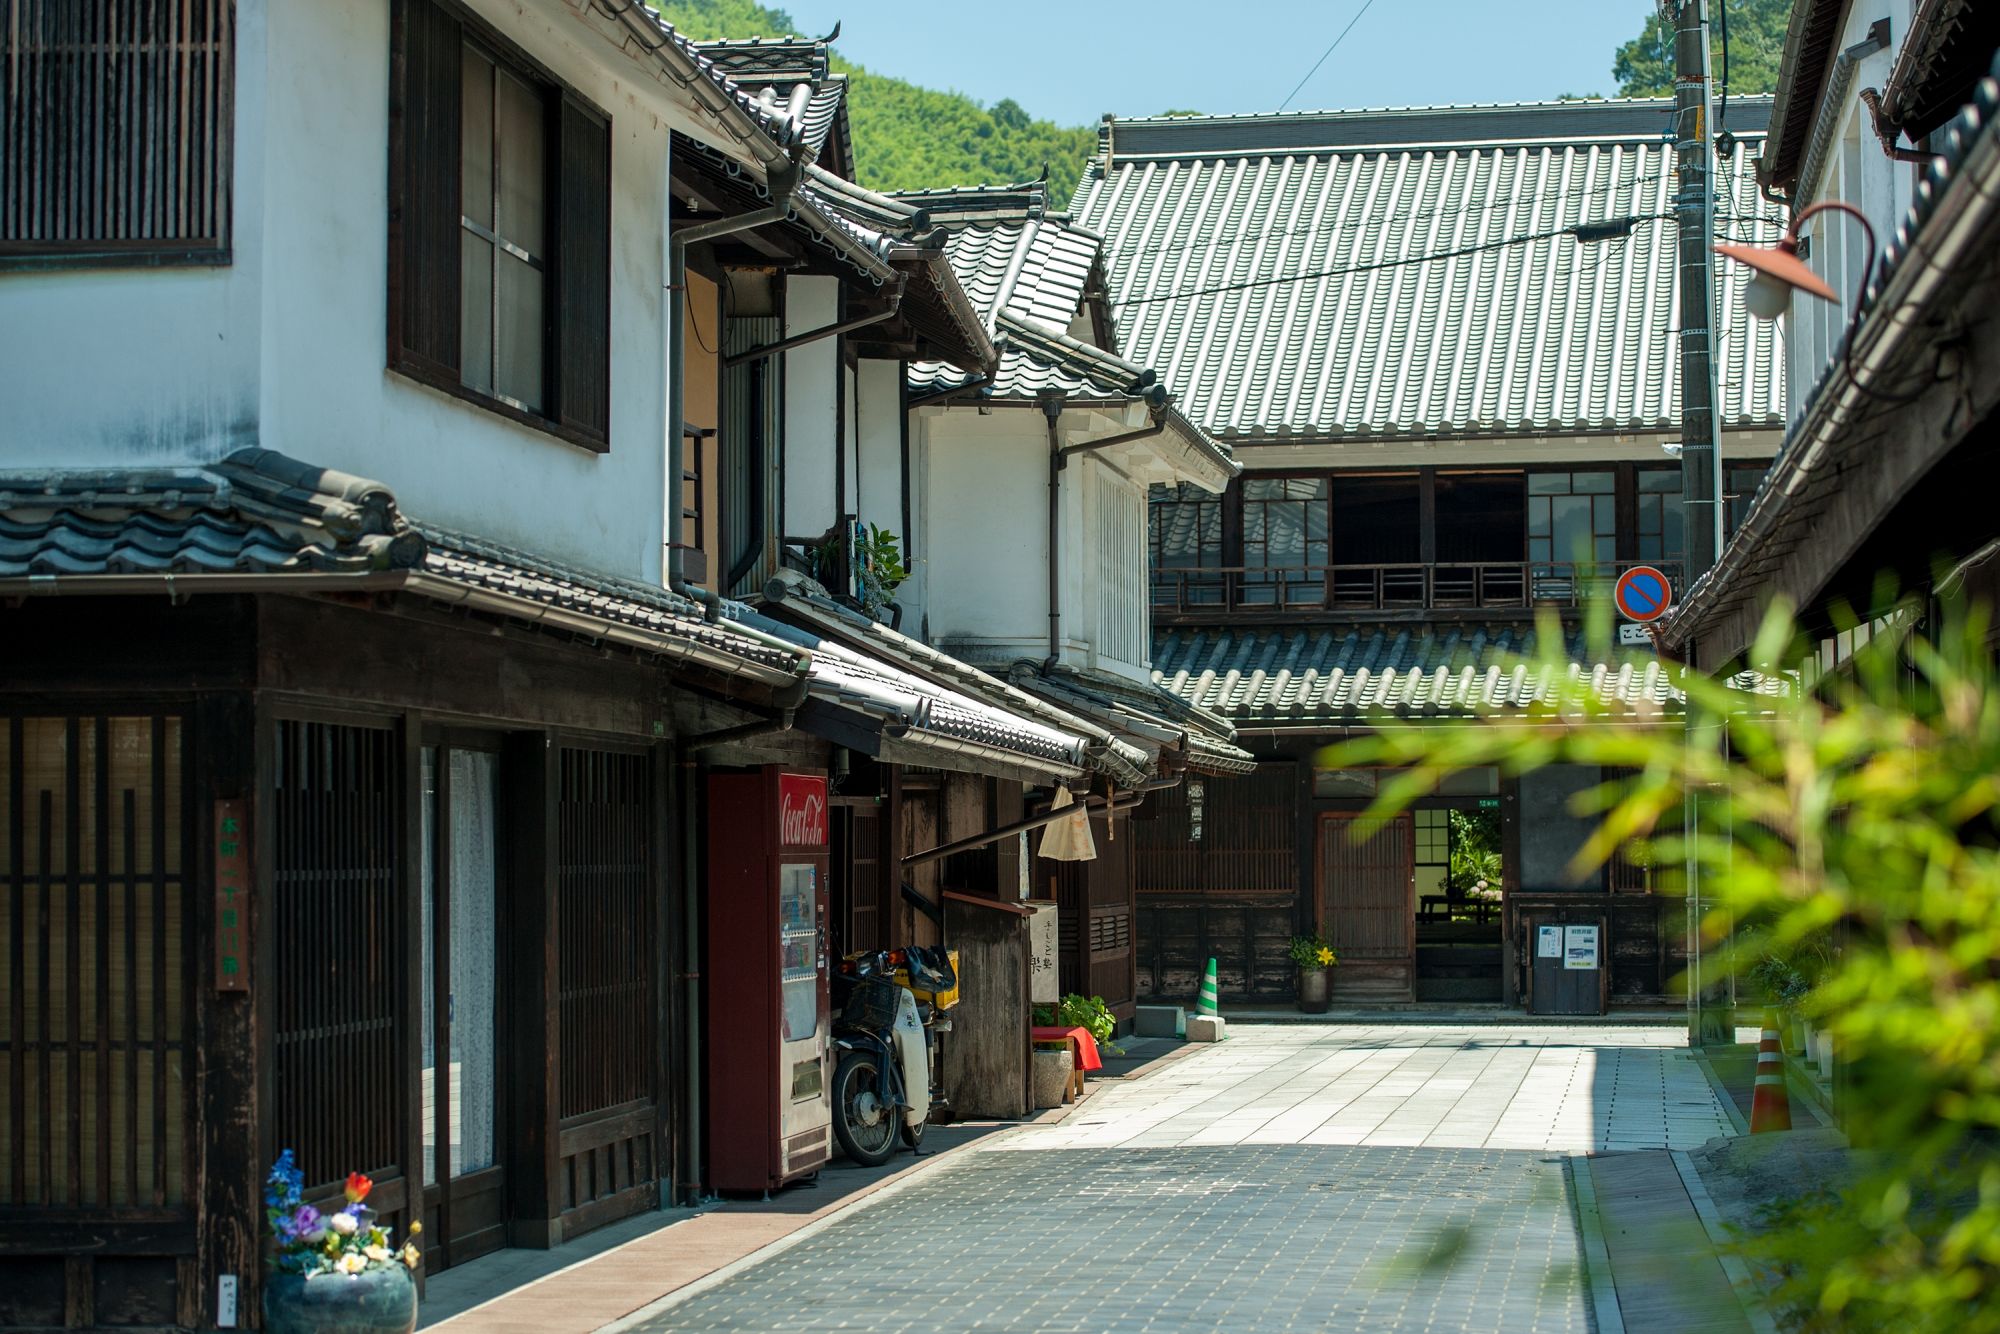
{"points": [[115, 130], [94, 936], [607, 921], [336, 922]]}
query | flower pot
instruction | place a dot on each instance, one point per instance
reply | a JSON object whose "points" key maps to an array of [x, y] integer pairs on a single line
{"points": [[1315, 990], [1052, 1067], [382, 1300]]}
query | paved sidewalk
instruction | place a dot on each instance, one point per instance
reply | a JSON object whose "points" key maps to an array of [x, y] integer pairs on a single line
{"points": [[1566, 1088]]}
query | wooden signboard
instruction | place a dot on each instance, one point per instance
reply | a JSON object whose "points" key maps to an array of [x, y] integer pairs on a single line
{"points": [[232, 895]]}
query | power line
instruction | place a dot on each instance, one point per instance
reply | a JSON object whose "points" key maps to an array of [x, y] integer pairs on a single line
{"points": [[1459, 253], [1324, 54], [1122, 247]]}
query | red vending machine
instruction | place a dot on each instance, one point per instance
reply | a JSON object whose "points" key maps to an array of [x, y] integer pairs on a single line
{"points": [[769, 1120]]}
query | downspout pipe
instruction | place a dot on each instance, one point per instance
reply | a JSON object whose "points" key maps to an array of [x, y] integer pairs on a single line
{"points": [[782, 179], [1051, 403]]}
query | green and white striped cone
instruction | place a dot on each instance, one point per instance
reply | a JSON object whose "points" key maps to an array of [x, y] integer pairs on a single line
{"points": [[1206, 1002]]}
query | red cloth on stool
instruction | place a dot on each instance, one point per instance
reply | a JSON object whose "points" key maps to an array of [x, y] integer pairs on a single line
{"points": [[1079, 1039]]}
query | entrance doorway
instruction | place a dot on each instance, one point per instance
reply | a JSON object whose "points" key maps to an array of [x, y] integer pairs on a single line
{"points": [[1459, 878], [1365, 902], [463, 1176]]}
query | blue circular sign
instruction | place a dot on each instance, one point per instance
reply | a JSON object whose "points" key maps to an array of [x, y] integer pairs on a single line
{"points": [[1643, 594]]}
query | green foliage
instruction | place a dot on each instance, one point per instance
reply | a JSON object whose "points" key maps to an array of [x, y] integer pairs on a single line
{"points": [[1087, 1012], [1313, 951], [1475, 853], [908, 137], [879, 557], [1644, 66], [1862, 812]]}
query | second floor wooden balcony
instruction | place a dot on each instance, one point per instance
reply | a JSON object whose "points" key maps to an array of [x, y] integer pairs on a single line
{"points": [[1385, 589]]}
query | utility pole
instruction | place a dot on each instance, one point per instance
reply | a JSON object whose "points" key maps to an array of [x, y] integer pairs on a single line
{"points": [[1694, 211], [1709, 1012]]}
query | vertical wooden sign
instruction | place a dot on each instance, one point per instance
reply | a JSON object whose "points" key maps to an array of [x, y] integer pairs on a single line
{"points": [[232, 895]]}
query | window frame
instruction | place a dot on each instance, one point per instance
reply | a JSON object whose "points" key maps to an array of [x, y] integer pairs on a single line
{"points": [[559, 97], [210, 188]]}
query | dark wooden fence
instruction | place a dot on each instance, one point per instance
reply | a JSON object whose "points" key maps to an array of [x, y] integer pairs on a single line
{"points": [[1233, 895], [608, 941], [336, 921]]}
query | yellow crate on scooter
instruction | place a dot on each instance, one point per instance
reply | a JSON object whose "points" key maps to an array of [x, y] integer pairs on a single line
{"points": [[943, 1000]]}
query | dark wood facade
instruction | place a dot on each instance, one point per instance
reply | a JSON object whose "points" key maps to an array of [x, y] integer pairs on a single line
{"points": [[1274, 859], [456, 968]]}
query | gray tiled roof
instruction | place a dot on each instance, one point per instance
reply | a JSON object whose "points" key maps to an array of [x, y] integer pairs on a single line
{"points": [[266, 520], [1286, 676], [1153, 716], [965, 732], [1029, 273], [797, 598], [1328, 331], [768, 68]]}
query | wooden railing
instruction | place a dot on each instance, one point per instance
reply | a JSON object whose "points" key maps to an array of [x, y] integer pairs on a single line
{"points": [[1391, 587]]}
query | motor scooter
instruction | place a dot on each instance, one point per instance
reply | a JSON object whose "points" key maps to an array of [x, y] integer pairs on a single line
{"points": [[892, 1003]]}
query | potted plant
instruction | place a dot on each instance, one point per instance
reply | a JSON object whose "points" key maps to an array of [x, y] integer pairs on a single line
{"points": [[1313, 956], [334, 1273]]}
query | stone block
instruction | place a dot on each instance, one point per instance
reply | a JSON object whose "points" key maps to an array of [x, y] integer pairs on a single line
{"points": [[1159, 1021], [1206, 1028]]}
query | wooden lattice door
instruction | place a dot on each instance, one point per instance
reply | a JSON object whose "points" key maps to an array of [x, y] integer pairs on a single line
{"points": [[1366, 904]]}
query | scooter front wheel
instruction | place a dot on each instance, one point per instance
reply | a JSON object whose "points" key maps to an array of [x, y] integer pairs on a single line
{"points": [[864, 1118], [913, 1135]]}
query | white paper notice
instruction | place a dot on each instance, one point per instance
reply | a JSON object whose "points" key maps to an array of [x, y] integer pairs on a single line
{"points": [[1549, 942], [1579, 947]]}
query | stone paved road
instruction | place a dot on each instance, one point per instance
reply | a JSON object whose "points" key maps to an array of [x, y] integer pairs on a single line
{"points": [[1573, 1088], [1295, 1178]]}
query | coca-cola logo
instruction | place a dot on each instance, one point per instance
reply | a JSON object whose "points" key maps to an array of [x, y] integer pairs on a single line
{"points": [[801, 811]]}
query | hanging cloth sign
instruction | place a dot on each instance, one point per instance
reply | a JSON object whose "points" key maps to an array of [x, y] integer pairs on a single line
{"points": [[1068, 839]]}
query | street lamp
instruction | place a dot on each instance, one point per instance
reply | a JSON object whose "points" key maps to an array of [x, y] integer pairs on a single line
{"points": [[1777, 271]]}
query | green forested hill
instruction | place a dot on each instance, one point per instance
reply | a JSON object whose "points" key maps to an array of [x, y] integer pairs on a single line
{"points": [[911, 138]]}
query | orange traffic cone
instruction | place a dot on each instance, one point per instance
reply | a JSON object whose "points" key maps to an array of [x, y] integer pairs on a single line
{"points": [[1770, 1105]]}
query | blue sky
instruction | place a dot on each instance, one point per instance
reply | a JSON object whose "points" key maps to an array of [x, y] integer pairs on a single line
{"points": [[1072, 60]]}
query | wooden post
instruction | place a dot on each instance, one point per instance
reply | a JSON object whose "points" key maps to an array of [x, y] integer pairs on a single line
{"points": [[533, 791], [232, 1046]]}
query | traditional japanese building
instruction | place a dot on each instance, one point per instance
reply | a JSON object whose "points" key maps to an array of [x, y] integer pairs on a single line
{"points": [[1442, 344]]}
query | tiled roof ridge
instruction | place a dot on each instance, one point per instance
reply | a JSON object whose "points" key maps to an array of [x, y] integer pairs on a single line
{"points": [[1028, 199], [1033, 336], [1422, 108], [870, 207], [1405, 129]]}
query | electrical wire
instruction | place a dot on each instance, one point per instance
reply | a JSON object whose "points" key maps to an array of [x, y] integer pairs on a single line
{"points": [[1462, 251], [1324, 54], [1373, 223]]}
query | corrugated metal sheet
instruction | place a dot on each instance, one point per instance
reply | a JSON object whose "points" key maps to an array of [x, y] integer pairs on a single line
{"points": [[1325, 328]]}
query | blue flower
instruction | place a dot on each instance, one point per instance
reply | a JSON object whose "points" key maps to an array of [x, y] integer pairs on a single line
{"points": [[286, 1184]]}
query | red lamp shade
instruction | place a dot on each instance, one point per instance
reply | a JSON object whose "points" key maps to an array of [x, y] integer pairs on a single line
{"points": [[1780, 263]]}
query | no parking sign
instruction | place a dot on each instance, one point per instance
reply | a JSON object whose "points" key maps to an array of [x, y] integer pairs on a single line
{"points": [[1643, 594]]}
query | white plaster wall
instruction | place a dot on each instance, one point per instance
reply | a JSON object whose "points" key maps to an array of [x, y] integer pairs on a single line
{"points": [[326, 394], [983, 537], [1857, 172], [140, 366], [878, 451], [983, 541], [286, 346], [811, 416]]}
